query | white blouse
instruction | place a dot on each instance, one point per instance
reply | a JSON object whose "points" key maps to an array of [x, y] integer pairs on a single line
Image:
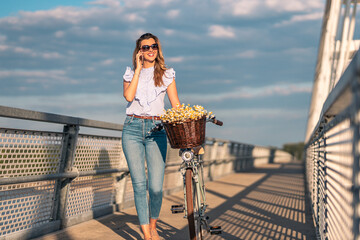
{"points": [[149, 99]]}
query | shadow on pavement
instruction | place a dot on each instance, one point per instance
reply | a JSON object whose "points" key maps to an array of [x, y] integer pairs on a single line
{"points": [[266, 203], [273, 207]]}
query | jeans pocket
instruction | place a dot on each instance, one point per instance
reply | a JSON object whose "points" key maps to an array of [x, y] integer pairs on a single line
{"points": [[128, 120]]}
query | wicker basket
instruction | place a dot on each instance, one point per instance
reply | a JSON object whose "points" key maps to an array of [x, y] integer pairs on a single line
{"points": [[187, 134]]}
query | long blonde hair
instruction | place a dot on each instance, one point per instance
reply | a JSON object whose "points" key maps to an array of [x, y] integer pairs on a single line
{"points": [[159, 68]]}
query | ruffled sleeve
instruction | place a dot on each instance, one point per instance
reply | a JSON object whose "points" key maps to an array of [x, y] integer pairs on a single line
{"points": [[168, 77], [128, 75]]}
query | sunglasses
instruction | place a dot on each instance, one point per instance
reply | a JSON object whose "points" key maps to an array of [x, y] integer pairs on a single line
{"points": [[146, 48]]}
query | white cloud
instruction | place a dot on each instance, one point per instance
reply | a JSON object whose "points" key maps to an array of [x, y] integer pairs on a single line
{"points": [[299, 51], [72, 15], [175, 59], [138, 3], [23, 73], [108, 3], [240, 8], [247, 54], [218, 31], [66, 14], [46, 77], [24, 39], [59, 34], [24, 51], [134, 17], [4, 47], [174, 13], [294, 5], [145, 4], [107, 62], [266, 7], [135, 33], [51, 55], [217, 81], [301, 54], [94, 29], [301, 18], [251, 92], [169, 32], [2, 38], [11, 21], [30, 52], [264, 113]]}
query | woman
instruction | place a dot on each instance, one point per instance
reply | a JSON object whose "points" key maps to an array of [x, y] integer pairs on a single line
{"points": [[144, 88]]}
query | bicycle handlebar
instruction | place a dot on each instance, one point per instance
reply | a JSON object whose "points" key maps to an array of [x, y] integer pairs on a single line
{"points": [[158, 127], [217, 122]]}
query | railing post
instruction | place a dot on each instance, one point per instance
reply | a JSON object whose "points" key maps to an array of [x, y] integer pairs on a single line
{"points": [[120, 190], [354, 121], [225, 156], [62, 186], [232, 154], [238, 159], [232, 148], [213, 158], [244, 153], [250, 159]]}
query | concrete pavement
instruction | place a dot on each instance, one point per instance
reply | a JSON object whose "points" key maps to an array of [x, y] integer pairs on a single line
{"points": [[267, 203]]}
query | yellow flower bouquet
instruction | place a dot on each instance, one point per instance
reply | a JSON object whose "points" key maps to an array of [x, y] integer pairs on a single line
{"points": [[184, 113], [185, 125]]}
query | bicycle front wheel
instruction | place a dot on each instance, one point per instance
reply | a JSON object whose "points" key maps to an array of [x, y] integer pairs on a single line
{"points": [[192, 207], [190, 203]]}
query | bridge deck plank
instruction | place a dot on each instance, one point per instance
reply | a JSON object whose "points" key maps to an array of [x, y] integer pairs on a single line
{"points": [[267, 203]]}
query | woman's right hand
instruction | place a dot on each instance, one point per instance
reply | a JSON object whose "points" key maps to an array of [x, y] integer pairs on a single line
{"points": [[139, 60]]}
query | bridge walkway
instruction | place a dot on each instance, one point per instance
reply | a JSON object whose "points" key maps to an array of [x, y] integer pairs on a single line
{"points": [[266, 203]]}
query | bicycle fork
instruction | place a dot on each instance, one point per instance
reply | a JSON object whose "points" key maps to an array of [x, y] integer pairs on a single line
{"points": [[200, 213], [199, 193]]}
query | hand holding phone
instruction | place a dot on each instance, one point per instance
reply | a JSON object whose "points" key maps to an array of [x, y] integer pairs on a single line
{"points": [[139, 60]]}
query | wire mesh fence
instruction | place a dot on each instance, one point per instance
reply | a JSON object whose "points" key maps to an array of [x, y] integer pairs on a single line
{"points": [[51, 180], [332, 160]]}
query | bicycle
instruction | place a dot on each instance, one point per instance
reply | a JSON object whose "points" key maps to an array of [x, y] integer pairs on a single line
{"points": [[194, 190]]}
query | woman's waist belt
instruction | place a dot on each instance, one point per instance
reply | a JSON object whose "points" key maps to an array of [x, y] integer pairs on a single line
{"points": [[146, 117]]}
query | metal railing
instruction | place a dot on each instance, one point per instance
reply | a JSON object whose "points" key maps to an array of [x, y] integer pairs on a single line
{"points": [[332, 160], [51, 180]]}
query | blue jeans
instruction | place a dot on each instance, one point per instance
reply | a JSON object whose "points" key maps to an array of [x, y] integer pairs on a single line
{"points": [[139, 146]]}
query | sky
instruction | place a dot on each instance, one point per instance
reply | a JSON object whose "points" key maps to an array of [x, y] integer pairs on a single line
{"points": [[252, 63]]}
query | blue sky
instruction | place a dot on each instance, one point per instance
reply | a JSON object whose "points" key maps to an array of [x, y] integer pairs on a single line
{"points": [[250, 62]]}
